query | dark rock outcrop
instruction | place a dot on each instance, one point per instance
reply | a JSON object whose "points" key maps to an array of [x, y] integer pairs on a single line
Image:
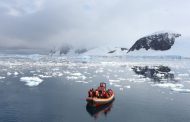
{"points": [[123, 49], [160, 41], [81, 51], [113, 51], [157, 73]]}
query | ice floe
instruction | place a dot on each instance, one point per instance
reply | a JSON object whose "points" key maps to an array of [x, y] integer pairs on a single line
{"points": [[137, 80], [174, 87], [81, 81], [31, 81], [72, 77], [128, 87], [122, 79], [16, 73], [76, 74], [8, 73], [117, 72], [44, 76], [1, 77], [181, 90], [187, 81], [183, 75], [168, 85], [117, 85], [113, 81], [99, 70], [121, 89]]}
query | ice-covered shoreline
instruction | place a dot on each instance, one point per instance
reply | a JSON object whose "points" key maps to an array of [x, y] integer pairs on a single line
{"points": [[117, 72]]}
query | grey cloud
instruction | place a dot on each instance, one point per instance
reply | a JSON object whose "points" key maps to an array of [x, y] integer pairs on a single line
{"points": [[88, 22]]}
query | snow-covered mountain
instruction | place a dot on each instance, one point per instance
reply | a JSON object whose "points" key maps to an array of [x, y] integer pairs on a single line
{"points": [[160, 44], [67, 51], [157, 41], [180, 48], [107, 51]]}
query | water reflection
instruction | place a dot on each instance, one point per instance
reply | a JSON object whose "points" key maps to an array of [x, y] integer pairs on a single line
{"points": [[101, 110], [157, 73]]}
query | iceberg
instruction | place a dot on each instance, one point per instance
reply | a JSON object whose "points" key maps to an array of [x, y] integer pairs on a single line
{"points": [[31, 81]]}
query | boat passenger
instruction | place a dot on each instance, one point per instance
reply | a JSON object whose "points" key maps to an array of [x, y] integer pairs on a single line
{"points": [[97, 94], [104, 94]]}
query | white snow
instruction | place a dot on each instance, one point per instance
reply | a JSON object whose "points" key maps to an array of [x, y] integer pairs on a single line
{"points": [[44, 76], [1, 77], [187, 81], [183, 75], [128, 87], [121, 89], [137, 80], [181, 90], [81, 81], [103, 51], [114, 81], [8, 73], [174, 87], [16, 73], [122, 79], [117, 85], [76, 74], [72, 78], [31, 81], [168, 85]]}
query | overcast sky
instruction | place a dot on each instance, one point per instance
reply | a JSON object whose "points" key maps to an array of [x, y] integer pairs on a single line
{"points": [[49, 23]]}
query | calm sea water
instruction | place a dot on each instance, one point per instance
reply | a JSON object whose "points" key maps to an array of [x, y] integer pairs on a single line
{"points": [[60, 99]]}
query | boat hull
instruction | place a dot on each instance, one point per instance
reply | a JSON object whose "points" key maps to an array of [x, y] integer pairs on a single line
{"points": [[99, 101]]}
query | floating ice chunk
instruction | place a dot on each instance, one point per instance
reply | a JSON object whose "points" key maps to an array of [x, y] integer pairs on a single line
{"points": [[114, 81], [99, 70], [123, 79], [81, 81], [117, 85], [138, 80], [84, 67], [8, 73], [60, 74], [2, 77], [181, 90], [76, 74], [121, 89], [87, 73], [72, 78], [16, 73], [31, 81], [83, 77], [32, 71], [128, 87], [183, 75], [44, 76], [55, 69], [66, 72], [177, 78], [169, 85], [55, 74], [131, 79], [160, 75]]}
